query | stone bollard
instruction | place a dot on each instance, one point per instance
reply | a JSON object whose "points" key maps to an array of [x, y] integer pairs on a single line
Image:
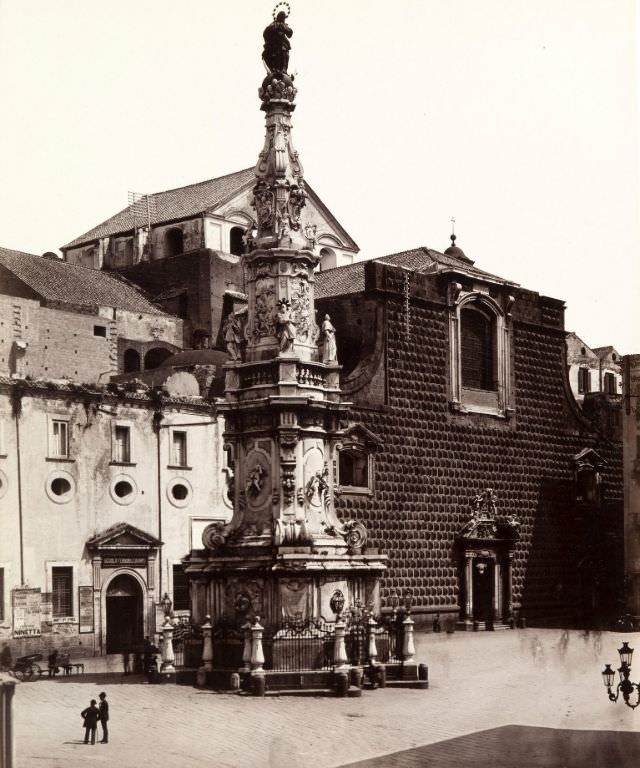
{"points": [[356, 677], [207, 645], [246, 649], [423, 672], [342, 684], [340, 658], [408, 647], [168, 658], [234, 681], [372, 651], [380, 674], [258, 677]]}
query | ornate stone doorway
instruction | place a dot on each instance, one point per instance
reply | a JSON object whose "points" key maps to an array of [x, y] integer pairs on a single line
{"points": [[483, 582], [485, 546], [124, 606]]}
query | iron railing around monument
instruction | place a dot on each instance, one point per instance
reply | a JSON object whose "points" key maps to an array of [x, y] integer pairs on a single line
{"points": [[299, 646], [387, 633], [187, 643], [228, 642]]}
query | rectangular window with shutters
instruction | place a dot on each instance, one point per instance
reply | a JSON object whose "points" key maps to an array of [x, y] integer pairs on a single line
{"points": [[62, 591], [181, 600], [59, 439], [583, 380], [122, 445], [179, 449], [610, 383]]}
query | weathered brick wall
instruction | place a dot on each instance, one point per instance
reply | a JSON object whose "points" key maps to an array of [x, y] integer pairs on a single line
{"points": [[58, 343], [434, 462], [204, 274]]}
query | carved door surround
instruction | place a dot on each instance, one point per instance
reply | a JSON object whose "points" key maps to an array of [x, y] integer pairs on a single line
{"points": [[485, 546]]}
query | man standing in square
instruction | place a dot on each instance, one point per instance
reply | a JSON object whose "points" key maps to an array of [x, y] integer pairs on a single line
{"points": [[104, 717]]}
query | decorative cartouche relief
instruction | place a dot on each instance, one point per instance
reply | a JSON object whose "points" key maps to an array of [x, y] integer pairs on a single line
{"points": [[264, 319]]}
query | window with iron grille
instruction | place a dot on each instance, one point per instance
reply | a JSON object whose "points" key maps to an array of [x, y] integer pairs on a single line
{"points": [[181, 600], [179, 449], [62, 591], [122, 445], [59, 439], [477, 333]]}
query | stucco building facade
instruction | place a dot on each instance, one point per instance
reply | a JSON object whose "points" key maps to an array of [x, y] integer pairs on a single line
{"points": [[102, 493]]}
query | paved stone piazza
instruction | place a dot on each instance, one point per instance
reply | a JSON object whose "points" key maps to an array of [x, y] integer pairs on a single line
{"points": [[479, 681]]}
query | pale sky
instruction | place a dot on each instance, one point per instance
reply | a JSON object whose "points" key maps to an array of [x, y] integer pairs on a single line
{"points": [[518, 117]]}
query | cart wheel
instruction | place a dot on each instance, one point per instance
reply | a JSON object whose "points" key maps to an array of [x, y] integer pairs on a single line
{"points": [[20, 674]]}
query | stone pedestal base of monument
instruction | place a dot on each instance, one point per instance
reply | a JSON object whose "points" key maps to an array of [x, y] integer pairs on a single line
{"points": [[290, 589], [407, 675]]}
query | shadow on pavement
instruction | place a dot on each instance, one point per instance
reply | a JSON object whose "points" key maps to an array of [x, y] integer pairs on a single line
{"points": [[101, 678], [519, 745]]}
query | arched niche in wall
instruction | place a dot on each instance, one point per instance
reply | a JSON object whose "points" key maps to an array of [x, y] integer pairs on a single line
{"points": [[173, 242], [328, 258], [236, 243], [155, 357], [131, 360]]}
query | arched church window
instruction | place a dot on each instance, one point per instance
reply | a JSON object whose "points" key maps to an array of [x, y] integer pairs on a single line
{"points": [[328, 259], [236, 244], [173, 242], [477, 348], [480, 341]]}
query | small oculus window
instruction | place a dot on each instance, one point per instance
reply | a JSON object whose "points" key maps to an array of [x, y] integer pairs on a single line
{"points": [[179, 492], [60, 487], [123, 489]]}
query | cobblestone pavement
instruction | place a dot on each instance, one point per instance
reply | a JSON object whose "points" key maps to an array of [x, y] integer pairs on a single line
{"points": [[478, 682]]}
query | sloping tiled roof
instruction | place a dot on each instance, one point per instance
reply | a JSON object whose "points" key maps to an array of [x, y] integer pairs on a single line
{"points": [[350, 279], [194, 199], [55, 280], [173, 204]]}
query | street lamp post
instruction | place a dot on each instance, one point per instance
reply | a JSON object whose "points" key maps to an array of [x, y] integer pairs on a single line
{"points": [[625, 686]]}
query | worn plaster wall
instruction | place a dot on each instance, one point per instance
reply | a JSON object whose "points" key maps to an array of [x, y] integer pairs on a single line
{"points": [[55, 528]]}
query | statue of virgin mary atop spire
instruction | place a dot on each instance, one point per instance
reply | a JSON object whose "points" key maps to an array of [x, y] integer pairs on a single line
{"points": [[276, 42]]}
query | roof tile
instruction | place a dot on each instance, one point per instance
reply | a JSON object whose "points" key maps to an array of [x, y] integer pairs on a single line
{"points": [[56, 280]]}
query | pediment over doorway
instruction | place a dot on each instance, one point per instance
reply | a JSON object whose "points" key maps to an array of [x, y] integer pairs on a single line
{"points": [[123, 536], [486, 525]]}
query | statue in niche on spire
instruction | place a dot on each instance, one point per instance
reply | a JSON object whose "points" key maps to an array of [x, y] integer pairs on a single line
{"points": [[285, 327], [276, 43], [329, 350], [231, 330]]}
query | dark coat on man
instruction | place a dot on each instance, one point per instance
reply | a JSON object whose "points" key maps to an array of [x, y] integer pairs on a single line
{"points": [[91, 716]]}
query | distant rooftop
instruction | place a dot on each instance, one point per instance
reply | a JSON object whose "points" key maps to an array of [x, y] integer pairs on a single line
{"points": [[186, 202], [179, 203], [56, 280], [350, 279]]}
